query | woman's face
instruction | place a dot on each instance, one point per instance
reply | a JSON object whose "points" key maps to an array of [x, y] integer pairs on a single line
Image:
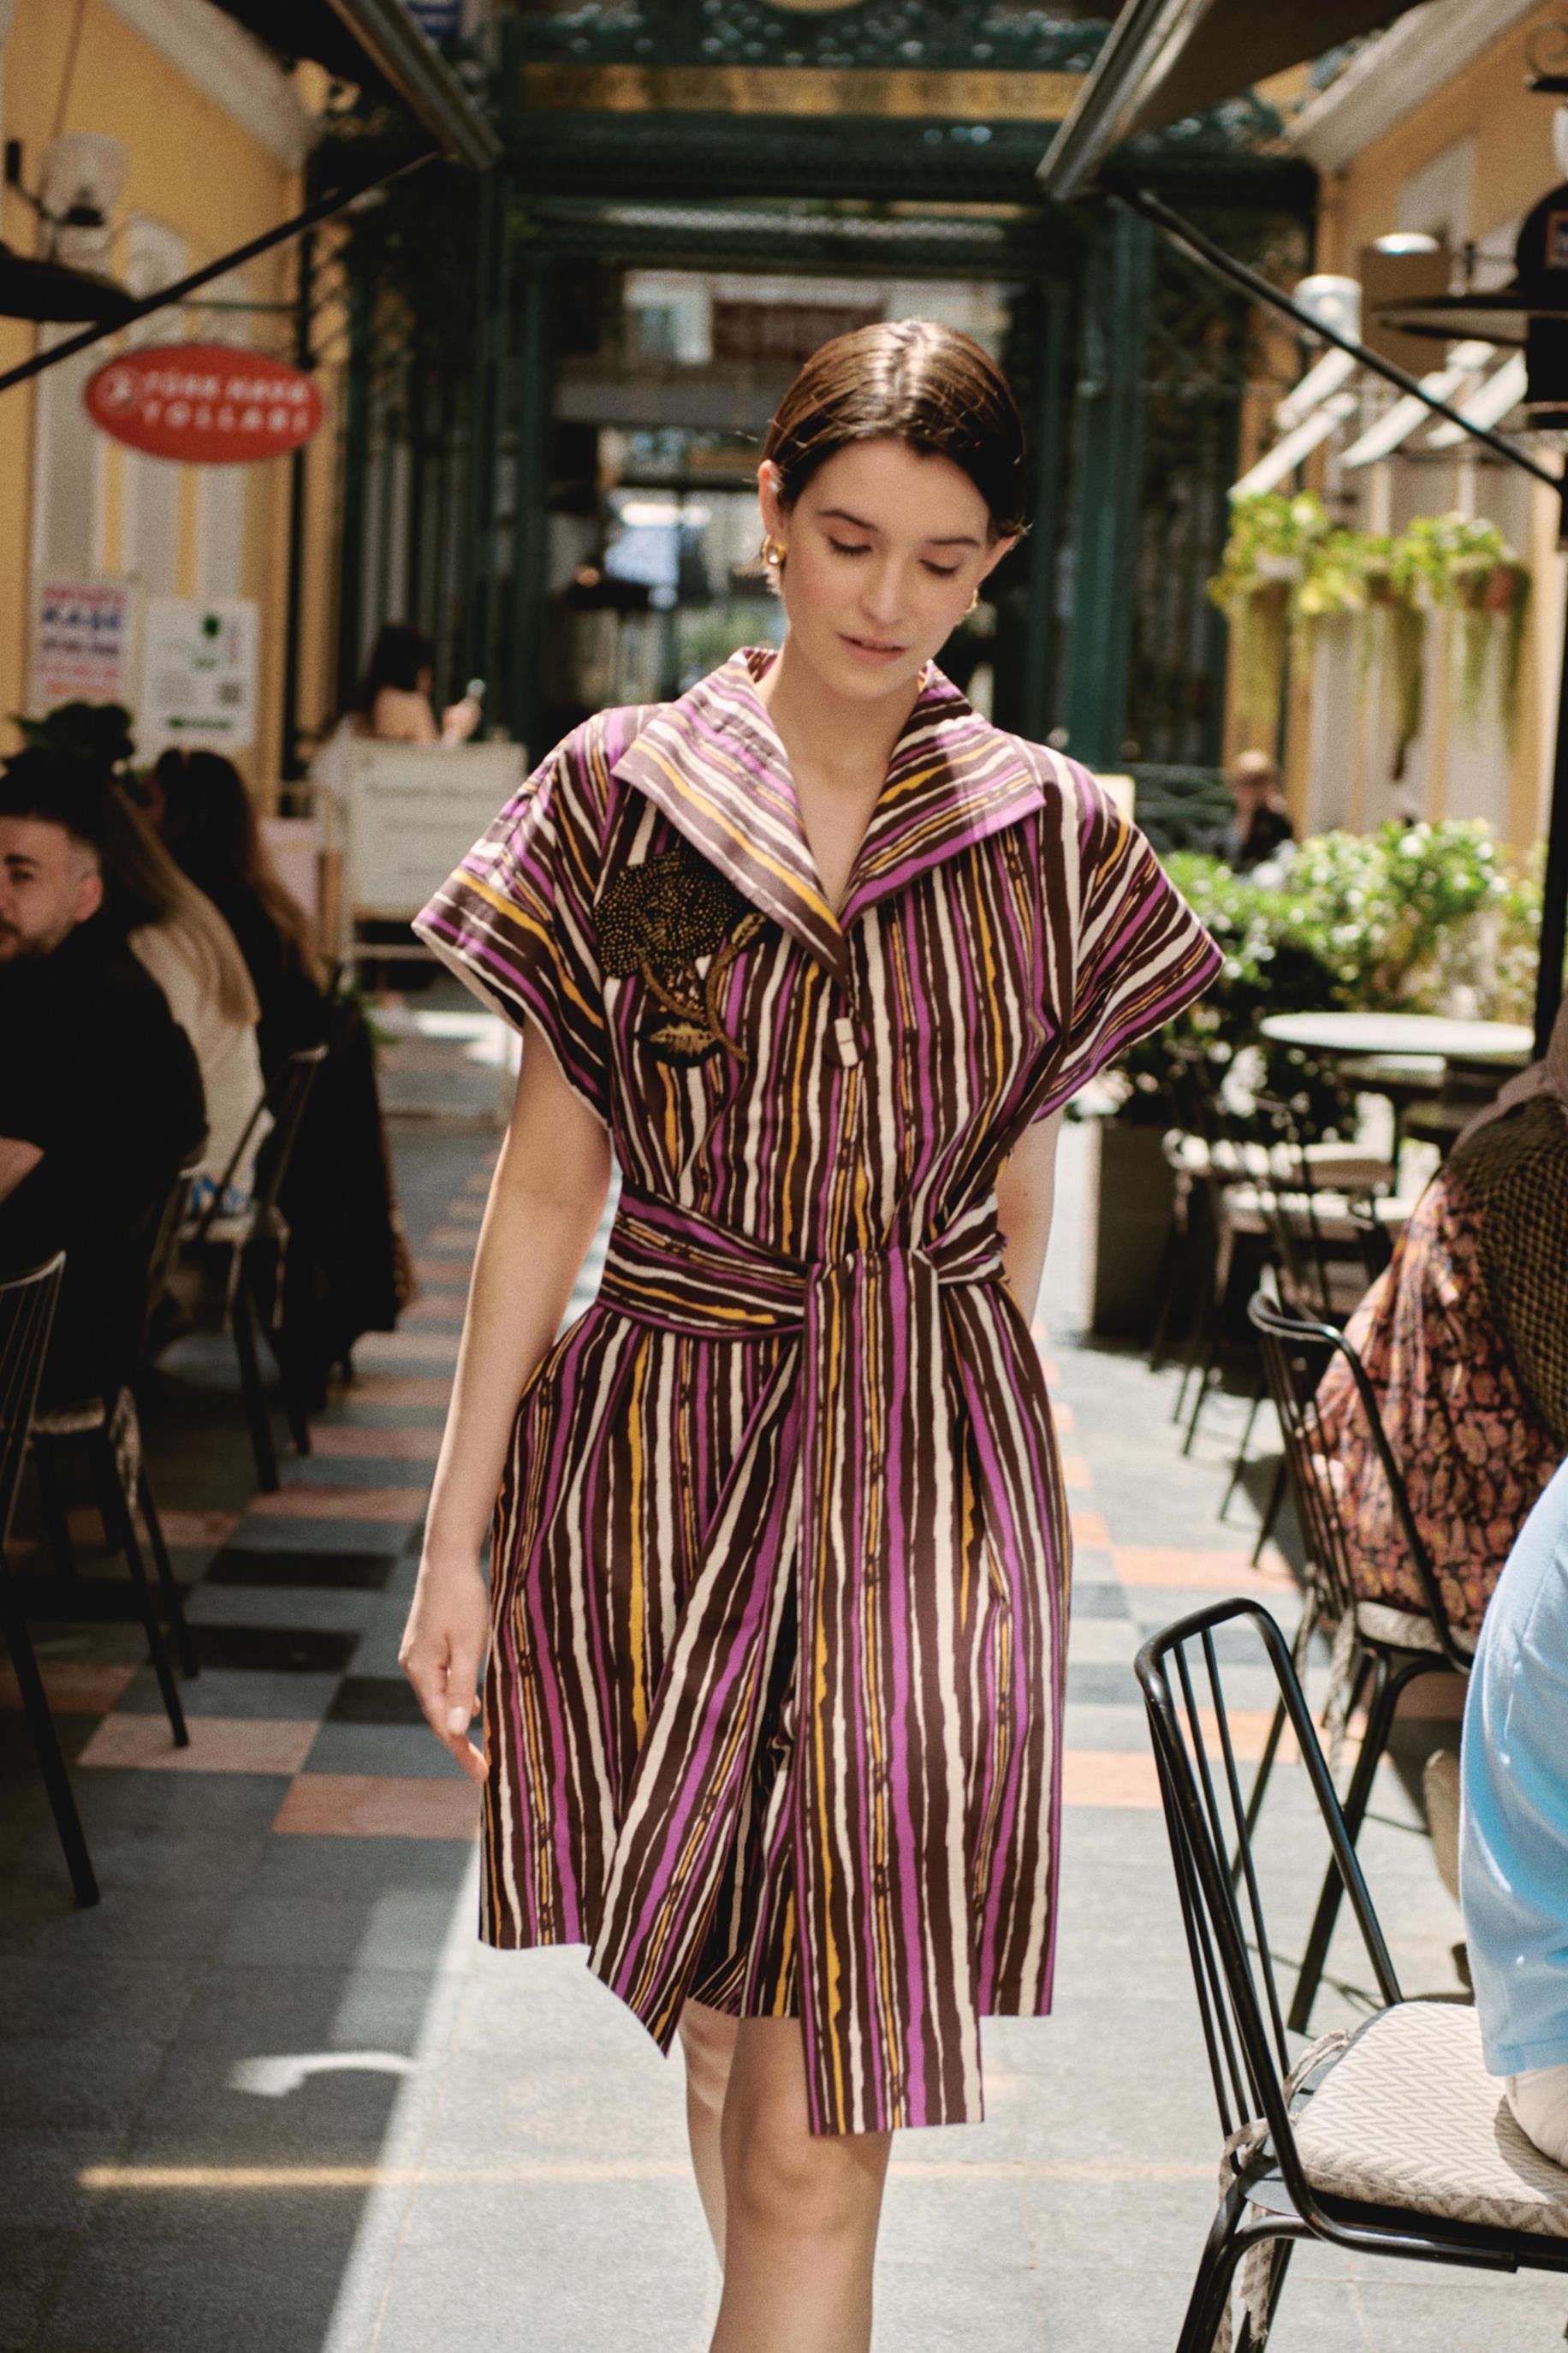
{"points": [[885, 547]]}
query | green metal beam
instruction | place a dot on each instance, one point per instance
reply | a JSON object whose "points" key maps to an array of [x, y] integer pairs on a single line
{"points": [[1053, 327], [523, 658], [1117, 287]]}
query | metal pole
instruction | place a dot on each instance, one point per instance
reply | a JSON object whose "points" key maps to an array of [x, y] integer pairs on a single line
{"points": [[322, 209], [479, 539], [1053, 322], [531, 522], [291, 765], [352, 502], [1109, 467], [1554, 881]]}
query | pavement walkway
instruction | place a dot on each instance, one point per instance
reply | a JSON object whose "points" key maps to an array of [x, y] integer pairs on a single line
{"points": [[271, 2094]]}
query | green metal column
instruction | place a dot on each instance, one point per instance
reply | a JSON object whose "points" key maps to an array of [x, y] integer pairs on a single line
{"points": [[292, 767], [352, 510], [523, 684], [1052, 315], [1118, 277], [484, 426]]}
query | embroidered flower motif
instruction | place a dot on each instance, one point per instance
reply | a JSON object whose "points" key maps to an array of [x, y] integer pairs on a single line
{"points": [[660, 920]]}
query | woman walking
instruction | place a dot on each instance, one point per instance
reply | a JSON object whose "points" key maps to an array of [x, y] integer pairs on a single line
{"points": [[777, 1623]]}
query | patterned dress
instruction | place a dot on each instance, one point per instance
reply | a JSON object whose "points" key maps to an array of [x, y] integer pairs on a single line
{"points": [[774, 1700], [1465, 1340]]}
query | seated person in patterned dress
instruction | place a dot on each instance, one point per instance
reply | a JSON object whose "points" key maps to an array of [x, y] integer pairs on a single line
{"points": [[1465, 1339], [1513, 1839], [100, 1097]]}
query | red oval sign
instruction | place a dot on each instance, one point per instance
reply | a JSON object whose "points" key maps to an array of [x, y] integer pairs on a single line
{"points": [[205, 403]]}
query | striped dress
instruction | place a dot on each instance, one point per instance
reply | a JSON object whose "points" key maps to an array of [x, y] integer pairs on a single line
{"points": [[779, 1592]]}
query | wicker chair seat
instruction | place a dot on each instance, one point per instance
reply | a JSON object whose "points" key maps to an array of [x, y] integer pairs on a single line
{"points": [[1386, 1621], [1409, 2118]]}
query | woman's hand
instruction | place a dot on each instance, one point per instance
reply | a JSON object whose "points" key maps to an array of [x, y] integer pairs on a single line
{"points": [[545, 1200], [460, 720], [442, 1653]]}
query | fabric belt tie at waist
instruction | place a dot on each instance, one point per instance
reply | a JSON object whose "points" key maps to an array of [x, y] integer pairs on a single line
{"points": [[849, 1480]]}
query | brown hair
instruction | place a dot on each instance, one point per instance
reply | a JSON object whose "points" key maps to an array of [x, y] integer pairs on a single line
{"points": [[906, 380], [210, 830]]}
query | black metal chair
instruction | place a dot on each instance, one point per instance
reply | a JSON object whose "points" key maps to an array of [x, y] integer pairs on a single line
{"points": [[256, 1239], [1392, 2140], [109, 1429], [1315, 1202], [1380, 1648], [26, 1316]]}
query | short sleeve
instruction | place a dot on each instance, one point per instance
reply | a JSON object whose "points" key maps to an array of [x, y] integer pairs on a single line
{"points": [[515, 923], [1140, 952]]}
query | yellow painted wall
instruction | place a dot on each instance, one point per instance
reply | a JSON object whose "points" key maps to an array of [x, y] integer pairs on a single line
{"points": [[1512, 126], [194, 170], [1513, 167]]}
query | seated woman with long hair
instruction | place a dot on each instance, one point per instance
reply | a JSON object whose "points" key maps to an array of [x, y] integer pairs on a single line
{"points": [[177, 934], [1465, 1339], [348, 1269], [208, 823]]}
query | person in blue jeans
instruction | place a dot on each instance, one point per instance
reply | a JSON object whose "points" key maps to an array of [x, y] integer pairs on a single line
{"points": [[1513, 1828]]}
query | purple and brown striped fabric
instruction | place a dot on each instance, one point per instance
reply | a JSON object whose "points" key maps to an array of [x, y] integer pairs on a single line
{"points": [[774, 1702]]}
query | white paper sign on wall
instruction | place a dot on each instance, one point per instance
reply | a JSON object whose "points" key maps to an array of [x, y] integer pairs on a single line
{"points": [[82, 636], [199, 674]]}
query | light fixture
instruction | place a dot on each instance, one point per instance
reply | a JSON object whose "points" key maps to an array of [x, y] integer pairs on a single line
{"points": [[1531, 310], [1400, 241], [82, 175]]}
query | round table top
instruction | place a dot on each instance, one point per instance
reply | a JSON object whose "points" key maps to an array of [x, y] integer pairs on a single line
{"points": [[1402, 1033]]}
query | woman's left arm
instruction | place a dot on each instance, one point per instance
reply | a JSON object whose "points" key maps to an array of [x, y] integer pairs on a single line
{"points": [[1026, 1190]]}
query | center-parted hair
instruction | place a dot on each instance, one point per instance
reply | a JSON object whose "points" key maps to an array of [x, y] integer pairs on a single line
{"points": [[913, 381]]}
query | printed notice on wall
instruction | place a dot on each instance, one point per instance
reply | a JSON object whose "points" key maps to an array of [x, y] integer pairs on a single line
{"points": [[81, 643], [198, 675]]}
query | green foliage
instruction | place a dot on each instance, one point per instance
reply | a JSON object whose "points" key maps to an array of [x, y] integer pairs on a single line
{"points": [[1287, 569], [97, 733], [1417, 919]]}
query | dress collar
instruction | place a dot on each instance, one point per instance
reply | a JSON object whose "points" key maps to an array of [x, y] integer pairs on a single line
{"points": [[714, 764]]}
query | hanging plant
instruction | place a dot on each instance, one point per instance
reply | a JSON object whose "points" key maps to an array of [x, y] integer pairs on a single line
{"points": [[1490, 591], [1287, 570], [1266, 558]]}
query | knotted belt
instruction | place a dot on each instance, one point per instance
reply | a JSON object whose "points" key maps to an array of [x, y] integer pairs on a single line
{"points": [[848, 1483]]}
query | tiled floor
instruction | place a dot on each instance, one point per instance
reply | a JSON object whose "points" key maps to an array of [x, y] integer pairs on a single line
{"points": [[270, 2092]]}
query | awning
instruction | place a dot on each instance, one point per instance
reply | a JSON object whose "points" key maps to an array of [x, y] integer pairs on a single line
{"points": [[376, 45], [1286, 455], [1393, 428], [1168, 58], [1486, 408]]}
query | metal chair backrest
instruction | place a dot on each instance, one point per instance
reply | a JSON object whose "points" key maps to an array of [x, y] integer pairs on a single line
{"points": [[27, 1318], [1217, 1879], [286, 1100], [163, 1237], [1297, 1351]]}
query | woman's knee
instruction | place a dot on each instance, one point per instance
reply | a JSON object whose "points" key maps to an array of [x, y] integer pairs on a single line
{"points": [[782, 2176]]}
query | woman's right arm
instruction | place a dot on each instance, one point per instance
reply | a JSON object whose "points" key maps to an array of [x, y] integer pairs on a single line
{"points": [[545, 1202]]}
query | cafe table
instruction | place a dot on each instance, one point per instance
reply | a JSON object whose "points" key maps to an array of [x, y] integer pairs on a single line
{"points": [[1403, 1055]]}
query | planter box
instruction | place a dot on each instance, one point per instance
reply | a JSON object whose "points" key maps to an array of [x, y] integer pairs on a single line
{"points": [[1133, 1194]]}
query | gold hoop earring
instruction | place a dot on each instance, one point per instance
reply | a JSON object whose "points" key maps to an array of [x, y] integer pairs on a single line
{"points": [[971, 604], [772, 552]]}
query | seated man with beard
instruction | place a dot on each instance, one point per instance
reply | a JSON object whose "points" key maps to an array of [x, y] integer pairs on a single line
{"points": [[100, 1099]]}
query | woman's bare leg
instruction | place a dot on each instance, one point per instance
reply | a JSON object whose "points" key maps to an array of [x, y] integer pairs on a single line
{"points": [[801, 2212], [707, 2045]]}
